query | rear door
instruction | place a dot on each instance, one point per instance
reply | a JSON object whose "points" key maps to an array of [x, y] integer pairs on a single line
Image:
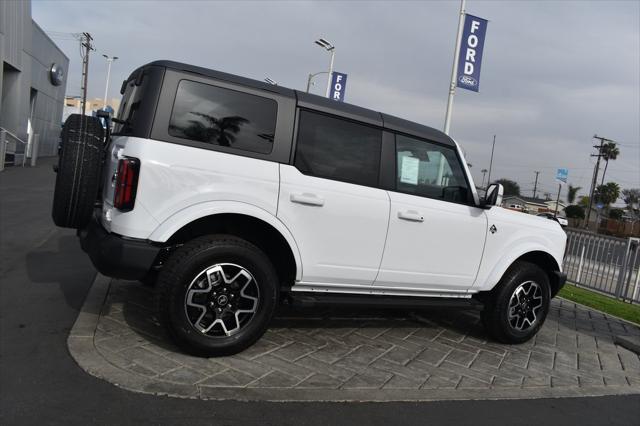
{"points": [[436, 235], [330, 201]]}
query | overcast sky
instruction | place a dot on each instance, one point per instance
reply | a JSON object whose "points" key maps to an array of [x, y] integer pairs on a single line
{"points": [[554, 73]]}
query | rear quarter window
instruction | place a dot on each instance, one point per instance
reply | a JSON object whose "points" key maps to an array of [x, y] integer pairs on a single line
{"points": [[223, 117]]}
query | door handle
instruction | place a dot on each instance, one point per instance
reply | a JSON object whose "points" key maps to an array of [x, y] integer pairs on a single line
{"points": [[307, 199], [411, 215]]}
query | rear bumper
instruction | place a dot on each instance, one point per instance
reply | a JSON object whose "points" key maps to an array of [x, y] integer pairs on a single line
{"points": [[116, 256], [561, 280]]}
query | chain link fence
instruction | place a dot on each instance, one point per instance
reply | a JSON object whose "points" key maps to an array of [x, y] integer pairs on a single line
{"points": [[605, 264]]}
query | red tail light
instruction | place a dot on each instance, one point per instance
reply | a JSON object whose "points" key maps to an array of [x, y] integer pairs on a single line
{"points": [[124, 196]]}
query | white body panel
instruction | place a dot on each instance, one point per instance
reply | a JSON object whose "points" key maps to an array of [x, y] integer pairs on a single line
{"points": [[439, 249], [340, 227], [516, 234], [175, 177]]}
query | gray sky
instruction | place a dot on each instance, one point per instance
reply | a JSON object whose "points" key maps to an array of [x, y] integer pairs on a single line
{"points": [[554, 73]]}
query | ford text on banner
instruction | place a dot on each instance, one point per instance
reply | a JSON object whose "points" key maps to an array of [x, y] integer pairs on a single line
{"points": [[338, 86], [471, 47]]}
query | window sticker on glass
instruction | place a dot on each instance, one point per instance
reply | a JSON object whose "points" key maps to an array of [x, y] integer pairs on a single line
{"points": [[409, 170]]}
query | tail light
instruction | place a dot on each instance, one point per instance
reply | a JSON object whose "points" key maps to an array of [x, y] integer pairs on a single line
{"points": [[124, 196]]}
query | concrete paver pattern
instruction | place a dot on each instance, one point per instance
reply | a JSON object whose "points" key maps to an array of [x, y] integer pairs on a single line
{"points": [[343, 354]]}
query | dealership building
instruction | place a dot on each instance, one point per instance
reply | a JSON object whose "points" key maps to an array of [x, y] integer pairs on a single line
{"points": [[32, 84]]}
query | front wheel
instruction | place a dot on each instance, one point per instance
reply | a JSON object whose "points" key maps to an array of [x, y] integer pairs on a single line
{"points": [[518, 306], [216, 295]]}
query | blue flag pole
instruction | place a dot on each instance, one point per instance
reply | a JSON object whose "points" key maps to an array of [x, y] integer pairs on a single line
{"points": [[454, 68]]}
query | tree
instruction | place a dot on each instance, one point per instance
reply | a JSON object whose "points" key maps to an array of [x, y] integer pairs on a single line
{"points": [[572, 192], [510, 187], [631, 197], [608, 193], [574, 212], [584, 201], [609, 151], [616, 214]]}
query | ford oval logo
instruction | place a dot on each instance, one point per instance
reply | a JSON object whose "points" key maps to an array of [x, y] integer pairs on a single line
{"points": [[468, 80]]}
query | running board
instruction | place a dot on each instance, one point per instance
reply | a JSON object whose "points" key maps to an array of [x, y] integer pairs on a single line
{"points": [[311, 299], [377, 290]]}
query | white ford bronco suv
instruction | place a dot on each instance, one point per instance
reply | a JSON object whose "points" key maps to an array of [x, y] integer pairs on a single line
{"points": [[233, 195]]}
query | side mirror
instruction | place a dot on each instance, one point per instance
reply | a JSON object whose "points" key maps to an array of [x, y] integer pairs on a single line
{"points": [[494, 195]]}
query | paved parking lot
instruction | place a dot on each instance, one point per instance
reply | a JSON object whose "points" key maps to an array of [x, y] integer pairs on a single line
{"points": [[339, 354]]}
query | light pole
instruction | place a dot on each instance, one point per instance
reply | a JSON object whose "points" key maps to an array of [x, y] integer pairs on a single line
{"points": [[311, 78], [110, 60], [331, 49]]}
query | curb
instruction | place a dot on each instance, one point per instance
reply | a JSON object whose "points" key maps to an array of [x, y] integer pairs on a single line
{"points": [[83, 350], [628, 342], [598, 310]]}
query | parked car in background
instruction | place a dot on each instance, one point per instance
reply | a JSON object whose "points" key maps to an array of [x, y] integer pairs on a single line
{"points": [[561, 220]]}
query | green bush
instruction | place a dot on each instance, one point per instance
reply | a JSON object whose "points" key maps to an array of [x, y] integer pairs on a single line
{"points": [[574, 212]]}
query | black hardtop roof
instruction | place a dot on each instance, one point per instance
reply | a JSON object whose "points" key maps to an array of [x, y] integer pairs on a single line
{"points": [[315, 102]]}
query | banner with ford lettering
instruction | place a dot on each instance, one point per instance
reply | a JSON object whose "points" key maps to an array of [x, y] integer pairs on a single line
{"points": [[471, 47], [338, 86]]}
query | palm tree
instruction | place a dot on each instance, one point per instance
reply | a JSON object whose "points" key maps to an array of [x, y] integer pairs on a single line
{"points": [[221, 130], [572, 192], [609, 151]]}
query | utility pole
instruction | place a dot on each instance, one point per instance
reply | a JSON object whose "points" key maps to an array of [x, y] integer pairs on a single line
{"points": [[491, 161], [596, 170], [535, 185], [85, 45], [484, 172]]}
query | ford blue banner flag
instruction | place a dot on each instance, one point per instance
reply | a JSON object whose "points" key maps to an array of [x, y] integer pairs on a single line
{"points": [[471, 47], [338, 86]]}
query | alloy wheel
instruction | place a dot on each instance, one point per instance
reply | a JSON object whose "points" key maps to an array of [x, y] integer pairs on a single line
{"points": [[221, 300], [525, 305]]}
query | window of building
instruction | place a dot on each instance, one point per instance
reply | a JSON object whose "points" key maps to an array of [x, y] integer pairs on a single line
{"points": [[338, 149], [223, 117], [429, 170]]}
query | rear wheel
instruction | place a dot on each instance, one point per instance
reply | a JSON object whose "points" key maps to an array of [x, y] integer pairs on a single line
{"points": [[518, 307], [79, 167], [216, 295]]}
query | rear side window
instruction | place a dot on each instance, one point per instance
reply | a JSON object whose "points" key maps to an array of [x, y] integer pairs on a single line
{"points": [[333, 148], [223, 117], [430, 170]]}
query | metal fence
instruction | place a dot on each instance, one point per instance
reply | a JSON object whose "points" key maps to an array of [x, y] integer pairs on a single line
{"points": [[606, 264]]}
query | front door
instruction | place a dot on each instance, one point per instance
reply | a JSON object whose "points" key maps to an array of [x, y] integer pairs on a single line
{"points": [[436, 236]]}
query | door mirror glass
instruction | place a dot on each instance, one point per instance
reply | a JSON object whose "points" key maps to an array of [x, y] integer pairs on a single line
{"points": [[494, 195]]}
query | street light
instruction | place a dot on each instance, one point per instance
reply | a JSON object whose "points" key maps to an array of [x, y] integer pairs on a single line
{"points": [[270, 81], [110, 60], [332, 49], [311, 78]]}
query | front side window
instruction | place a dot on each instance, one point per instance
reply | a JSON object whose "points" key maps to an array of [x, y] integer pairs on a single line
{"points": [[429, 170], [223, 117], [333, 148]]}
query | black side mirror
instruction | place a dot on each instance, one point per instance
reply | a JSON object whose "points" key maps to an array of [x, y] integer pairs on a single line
{"points": [[493, 196]]}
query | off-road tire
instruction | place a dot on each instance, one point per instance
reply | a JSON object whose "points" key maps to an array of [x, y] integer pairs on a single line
{"points": [[79, 167], [495, 315], [185, 264]]}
